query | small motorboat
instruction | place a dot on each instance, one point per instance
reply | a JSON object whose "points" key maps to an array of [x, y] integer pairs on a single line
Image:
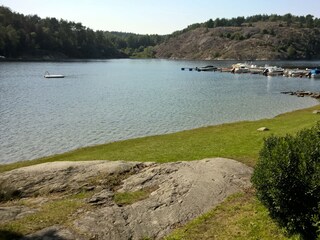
{"points": [[295, 73], [273, 71], [314, 73], [240, 68], [206, 68], [48, 75]]}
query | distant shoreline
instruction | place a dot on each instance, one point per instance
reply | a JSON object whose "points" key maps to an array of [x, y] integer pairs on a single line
{"points": [[39, 59], [265, 61]]}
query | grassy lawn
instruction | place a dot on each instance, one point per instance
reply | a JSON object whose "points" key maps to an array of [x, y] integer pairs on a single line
{"points": [[240, 216], [239, 140]]}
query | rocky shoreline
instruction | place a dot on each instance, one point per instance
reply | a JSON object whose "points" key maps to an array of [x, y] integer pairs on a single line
{"points": [[176, 193], [315, 95]]}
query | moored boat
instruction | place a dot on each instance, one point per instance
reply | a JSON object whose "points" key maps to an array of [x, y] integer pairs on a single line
{"points": [[295, 73], [314, 73], [206, 68], [273, 71], [48, 75], [240, 68]]}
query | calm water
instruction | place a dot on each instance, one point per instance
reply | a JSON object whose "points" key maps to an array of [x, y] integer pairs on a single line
{"points": [[104, 101]]}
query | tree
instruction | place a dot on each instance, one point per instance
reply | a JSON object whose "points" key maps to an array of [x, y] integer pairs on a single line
{"points": [[291, 52], [209, 24], [239, 21], [12, 41], [288, 19], [309, 21]]}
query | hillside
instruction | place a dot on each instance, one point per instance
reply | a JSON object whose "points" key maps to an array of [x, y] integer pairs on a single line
{"points": [[257, 41], [32, 37], [255, 37]]}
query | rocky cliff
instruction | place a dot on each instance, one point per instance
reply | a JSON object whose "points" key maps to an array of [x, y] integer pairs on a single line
{"points": [[258, 41]]}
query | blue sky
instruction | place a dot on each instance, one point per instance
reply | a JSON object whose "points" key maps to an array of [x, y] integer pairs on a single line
{"points": [[155, 16]]}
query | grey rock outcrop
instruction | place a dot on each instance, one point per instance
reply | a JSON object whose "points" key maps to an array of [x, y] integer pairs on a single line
{"points": [[180, 191]]}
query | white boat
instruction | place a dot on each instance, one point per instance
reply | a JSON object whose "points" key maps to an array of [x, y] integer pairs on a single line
{"points": [[48, 75], [295, 73], [254, 69], [273, 71], [240, 68]]}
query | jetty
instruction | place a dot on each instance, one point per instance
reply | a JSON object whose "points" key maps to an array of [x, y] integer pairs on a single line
{"points": [[315, 95], [245, 68]]}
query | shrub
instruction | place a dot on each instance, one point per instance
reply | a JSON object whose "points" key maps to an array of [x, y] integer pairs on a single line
{"points": [[287, 179]]}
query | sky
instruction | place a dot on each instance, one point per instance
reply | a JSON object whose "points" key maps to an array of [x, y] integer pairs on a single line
{"points": [[155, 16]]}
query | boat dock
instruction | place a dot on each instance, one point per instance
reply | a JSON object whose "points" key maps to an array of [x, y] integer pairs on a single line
{"points": [[242, 68]]}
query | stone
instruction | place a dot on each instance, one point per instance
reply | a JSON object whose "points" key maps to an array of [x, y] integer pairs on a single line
{"points": [[316, 112], [53, 233], [103, 197], [263, 129], [9, 213]]}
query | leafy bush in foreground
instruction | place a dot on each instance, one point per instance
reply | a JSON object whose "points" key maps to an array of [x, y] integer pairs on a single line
{"points": [[287, 179]]}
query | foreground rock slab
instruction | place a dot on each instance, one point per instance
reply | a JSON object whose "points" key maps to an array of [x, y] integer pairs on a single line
{"points": [[180, 192]]}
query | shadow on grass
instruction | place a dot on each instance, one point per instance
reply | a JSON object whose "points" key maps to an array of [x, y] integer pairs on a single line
{"points": [[50, 234], [6, 235]]}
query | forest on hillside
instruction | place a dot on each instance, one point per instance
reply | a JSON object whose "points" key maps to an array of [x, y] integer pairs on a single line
{"points": [[288, 20], [31, 36]]}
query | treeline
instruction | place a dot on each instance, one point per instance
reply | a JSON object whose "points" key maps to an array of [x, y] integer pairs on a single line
{"points": [[135, 45], [31, 36], [287, 20]]}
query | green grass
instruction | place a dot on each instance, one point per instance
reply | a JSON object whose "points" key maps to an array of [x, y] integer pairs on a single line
{"points": [[240, 216], [239, 140], [56, 212], [126, 198]]}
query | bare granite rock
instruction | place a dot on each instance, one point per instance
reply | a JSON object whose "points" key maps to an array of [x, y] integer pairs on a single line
{"points": [[179, 192], [53, 233], [60, 177], [9, 213]]}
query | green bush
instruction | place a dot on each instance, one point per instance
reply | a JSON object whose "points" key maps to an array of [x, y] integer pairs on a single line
{"points": [[287, 179]]}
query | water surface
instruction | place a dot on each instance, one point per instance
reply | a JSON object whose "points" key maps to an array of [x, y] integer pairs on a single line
{"points": [[105, 101]]}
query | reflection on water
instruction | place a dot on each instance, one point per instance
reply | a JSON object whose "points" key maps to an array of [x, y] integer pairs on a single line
{"points": [[104, 101]]}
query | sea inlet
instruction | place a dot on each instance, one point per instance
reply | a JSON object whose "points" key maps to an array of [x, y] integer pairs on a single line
{"points": [[112, 100]]}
